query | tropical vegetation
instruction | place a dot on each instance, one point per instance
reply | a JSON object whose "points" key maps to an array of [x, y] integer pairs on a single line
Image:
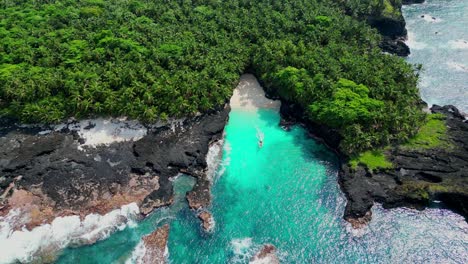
{"points": [[157, 59]]}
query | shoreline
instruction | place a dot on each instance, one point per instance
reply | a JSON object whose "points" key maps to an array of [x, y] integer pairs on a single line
{"points": [[250, 96], [48, 176]]}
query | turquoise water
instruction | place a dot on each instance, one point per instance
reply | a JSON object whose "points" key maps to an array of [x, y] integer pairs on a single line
{"points": [[286, 194], [441, 46]]}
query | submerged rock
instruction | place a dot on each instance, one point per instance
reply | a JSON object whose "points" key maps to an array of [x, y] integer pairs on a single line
{"points": [[360, 222], [266, 255], [207, 221], [155, 245]]}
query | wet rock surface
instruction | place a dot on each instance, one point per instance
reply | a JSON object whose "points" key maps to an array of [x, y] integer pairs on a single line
{"points": [[419, 177], [266, 255], [50, 175], [155, 246], [207, 221], [410, 2]]}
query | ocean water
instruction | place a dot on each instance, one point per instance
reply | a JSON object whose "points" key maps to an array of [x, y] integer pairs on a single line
{"points": [[438, 39], [286, 194]]}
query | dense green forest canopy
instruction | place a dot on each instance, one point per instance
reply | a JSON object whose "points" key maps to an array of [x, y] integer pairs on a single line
{"points": [[151, 59]]}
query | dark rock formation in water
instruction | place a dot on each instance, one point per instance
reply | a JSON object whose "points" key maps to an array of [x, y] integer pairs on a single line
{"points": [[207, 221], [155, 246], [49, 176], [395, 46], [267, 254], [393, 30], [419, 176], [409, 2]]}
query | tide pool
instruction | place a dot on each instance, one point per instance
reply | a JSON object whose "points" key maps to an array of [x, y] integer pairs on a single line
{"points": [[286, 194]]}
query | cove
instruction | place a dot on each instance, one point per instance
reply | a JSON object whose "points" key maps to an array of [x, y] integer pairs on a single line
{"points": [[285, 193]]}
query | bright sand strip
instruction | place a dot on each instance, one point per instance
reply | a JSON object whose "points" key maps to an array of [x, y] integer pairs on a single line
{"points": [[249, 95]]}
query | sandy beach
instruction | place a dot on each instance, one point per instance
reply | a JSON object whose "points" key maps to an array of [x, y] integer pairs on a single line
{"points": [[249, 95]]}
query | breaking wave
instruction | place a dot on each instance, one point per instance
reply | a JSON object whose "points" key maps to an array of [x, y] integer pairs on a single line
{"points": [[44, 242]]}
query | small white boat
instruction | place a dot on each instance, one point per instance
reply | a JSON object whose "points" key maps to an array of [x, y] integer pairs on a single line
{"points": [[260, 137]]}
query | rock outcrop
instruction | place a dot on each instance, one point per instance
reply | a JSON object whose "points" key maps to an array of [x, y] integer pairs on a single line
{"points": [[156, 246], [50, 175], [419, 176], [207, 221], [392, 27], [266, 255], [410, 2]]}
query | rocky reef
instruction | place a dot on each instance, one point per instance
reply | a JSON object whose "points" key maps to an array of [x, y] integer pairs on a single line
{"points": [[53, 173], [266, 255], [155, 245]]}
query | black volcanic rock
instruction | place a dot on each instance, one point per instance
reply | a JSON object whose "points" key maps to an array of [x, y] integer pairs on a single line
{"points": [[61, 179], [389, 27], [409, 2], [395, 46], [419, 176]]}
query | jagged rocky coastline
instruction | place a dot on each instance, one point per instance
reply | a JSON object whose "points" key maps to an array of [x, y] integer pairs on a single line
{"points": [[419, 177], [47, 175], [393, 30]]}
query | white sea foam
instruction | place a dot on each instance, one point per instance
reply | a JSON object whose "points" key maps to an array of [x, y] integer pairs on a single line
{"points": [[137, 254], [25, 246], [213, 158], [225, 160], [356, 232], [106, 131], [413, 44], [457, 66], [265, 260], [458, 44], [242, 249]]}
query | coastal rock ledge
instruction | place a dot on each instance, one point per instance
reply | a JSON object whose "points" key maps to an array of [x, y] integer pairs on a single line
{"points": [[155, 245], [418, 178], [47, 173]]}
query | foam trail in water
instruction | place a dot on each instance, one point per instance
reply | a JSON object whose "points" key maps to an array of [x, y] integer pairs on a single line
{"points": [[458, 44], [457, 66], [47, 240], [213, 158], [413, 44]]}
